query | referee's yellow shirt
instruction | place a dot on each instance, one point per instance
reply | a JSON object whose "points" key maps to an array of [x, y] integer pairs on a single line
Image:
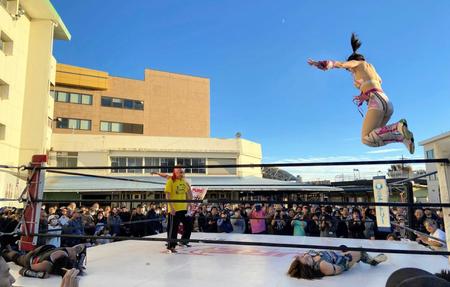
{"points": [[177, 189]]}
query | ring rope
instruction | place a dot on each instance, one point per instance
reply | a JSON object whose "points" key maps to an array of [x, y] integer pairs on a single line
{"points": [[254, 165], [246, 243], [243, 201], [163, 183]]}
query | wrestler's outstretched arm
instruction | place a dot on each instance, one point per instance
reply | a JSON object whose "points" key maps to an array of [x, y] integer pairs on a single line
{"points": [[329, 64]]}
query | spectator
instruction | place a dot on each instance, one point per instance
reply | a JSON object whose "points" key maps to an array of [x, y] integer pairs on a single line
{"points": [[369, 223], [201, 219], [326, 223], [125, 216], [257, 221], [54, 227], [299, 225], [238, 222], [392, 237], [88, 221], [313, 226], [278, 223], [100, 222], [429, 214], [223, 223], [75, 227], [435, 232], [114, 221], [153, 222], [356, 226], [212, 218], [417, 222], [64, 219], [342, 228], [138, 225]]}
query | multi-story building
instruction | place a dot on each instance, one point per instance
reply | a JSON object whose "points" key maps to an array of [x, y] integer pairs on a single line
{"points": [[27, 71], [163, 104], [435, 147]]}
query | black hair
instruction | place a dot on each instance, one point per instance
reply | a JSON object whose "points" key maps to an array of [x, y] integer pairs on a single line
{"points": [[61, 263], [445, 274], [356, 43], [393, 236], [300, 270]]}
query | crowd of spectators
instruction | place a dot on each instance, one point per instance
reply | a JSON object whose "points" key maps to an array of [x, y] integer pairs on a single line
{"points": [[150, 219]]}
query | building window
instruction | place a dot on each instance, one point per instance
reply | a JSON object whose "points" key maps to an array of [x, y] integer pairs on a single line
{"points": [[198, 162], [122, 103], [192, 162], [151, 161], [118, 161], [121, 128], [73, 98], [185, 162], [6, 44], [167, 164], [429, 154], [4, 90], [2, 131], [86, 99], [76, 124], [134, 161], [66, 159], [433, 177], [126, 161]]}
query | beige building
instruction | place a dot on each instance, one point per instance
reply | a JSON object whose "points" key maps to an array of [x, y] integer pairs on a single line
{"points": [[435, 147], [163, 104], [80, 150], [27, 71]]}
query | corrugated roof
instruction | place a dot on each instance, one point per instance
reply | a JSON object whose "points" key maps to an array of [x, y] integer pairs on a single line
{"points": [[89, 184]]}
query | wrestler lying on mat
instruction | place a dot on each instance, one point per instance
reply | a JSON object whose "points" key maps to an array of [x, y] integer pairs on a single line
{"points": [[317, 264]]}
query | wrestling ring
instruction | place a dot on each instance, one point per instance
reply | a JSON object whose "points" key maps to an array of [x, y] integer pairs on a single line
{"points": [[226, 259]]}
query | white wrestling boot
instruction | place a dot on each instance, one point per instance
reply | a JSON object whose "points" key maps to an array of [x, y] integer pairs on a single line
{"points": [[408, 137]]}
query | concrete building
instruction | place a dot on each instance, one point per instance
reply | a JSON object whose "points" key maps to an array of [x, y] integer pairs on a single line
{"points": [[435, 147], [163, 104], [27, 71], [162, 120]]}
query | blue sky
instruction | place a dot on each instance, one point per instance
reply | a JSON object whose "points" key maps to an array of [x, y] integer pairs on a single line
{"points": [[255, 54]]}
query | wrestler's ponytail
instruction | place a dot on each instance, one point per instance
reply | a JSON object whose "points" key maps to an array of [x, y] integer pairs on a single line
{"points": [[356, 43]]}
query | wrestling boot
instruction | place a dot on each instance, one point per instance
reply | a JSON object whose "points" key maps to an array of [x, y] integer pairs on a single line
{"points": [[374, 261], [408, 137]]}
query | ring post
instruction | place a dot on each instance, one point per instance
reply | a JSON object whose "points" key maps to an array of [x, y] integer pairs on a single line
{"points": [[32, 212], [444, 187]]}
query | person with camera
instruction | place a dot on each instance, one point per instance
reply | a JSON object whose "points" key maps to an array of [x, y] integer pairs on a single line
{"points": [[257, 220], [278, 222], [299, 225]]}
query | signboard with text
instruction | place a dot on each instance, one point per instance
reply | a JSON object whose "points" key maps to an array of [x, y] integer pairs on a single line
{"points": [[381, 194]]}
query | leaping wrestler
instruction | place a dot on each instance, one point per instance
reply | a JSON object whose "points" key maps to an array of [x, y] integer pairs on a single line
{"points": [[375, 132]]}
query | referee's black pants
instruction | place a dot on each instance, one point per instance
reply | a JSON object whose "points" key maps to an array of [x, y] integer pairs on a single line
{"points": [[173, 224]]}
